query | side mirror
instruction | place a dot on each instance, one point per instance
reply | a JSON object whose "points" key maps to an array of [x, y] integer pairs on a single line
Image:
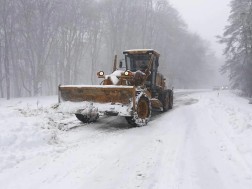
{"points": [[120, 64]]}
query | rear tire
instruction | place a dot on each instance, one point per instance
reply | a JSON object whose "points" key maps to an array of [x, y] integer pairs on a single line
{"points": [[170, 99], [167, 100]]}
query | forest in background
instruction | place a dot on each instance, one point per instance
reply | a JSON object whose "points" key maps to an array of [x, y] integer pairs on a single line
{"points": [[238, 41], [44, 43]]}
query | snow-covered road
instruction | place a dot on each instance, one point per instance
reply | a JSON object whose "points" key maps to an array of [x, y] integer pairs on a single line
{"points": [[203, 143]]}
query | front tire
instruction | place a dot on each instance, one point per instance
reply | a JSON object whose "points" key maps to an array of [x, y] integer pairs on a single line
{"points": [[143, 113]]}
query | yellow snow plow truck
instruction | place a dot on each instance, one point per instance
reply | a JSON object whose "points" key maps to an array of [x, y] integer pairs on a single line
{"points": [[131, 91]]}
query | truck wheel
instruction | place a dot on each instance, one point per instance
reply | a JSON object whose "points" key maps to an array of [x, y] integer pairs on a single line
{"points": [[170, 99], [142, 114], [165, 101]]}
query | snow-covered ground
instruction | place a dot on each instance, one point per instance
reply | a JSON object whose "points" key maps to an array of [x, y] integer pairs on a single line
{"points": [[203, 143]]}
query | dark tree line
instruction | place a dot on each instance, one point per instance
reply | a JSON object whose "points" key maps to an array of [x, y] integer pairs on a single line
{"points": [[238, 40], [47, 42]]}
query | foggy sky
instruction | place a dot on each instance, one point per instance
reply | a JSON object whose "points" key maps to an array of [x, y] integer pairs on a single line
{"points": [[205, 17]]}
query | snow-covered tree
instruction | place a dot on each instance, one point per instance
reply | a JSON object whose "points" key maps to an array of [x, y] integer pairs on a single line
{"points": [[238, 40]]}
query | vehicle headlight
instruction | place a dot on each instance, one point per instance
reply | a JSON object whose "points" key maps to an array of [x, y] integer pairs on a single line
{"points": [[101, 73], [126, 73]]}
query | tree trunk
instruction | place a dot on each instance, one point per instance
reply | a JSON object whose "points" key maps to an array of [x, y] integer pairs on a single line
{"points": [[7, 66], [1, 73]]}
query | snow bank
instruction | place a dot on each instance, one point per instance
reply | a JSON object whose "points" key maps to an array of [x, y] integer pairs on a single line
{"points": [[233, 114], [25, 131]]}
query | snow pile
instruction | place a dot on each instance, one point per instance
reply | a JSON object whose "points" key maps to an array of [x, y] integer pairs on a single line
{"points": [[25, 130], [239, 127], [85, 107]]}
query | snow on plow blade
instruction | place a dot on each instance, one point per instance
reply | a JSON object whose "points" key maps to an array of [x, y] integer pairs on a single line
{"points": [[107, 98], [97, 93]]}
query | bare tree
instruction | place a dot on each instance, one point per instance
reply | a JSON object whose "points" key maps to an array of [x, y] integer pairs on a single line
{"points": [[45, 43], [7, 25], [95, 36], [1, 72]]}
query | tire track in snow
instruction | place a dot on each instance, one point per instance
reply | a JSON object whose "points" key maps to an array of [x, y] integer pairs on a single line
{"points": [[215, 153]]}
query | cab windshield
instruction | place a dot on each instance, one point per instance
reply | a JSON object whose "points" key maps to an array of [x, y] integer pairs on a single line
{"points": [[137, 62]]}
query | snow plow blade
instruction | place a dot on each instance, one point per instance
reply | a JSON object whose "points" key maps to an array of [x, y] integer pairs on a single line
{"points": [[103, 94]]}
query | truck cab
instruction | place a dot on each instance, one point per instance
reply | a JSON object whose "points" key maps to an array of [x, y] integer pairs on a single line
{"points": [[146, 60]]}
